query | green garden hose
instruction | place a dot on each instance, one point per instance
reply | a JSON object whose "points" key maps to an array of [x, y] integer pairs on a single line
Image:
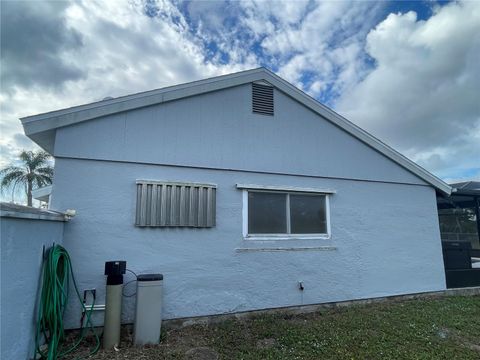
{"points": [[56, 274]]}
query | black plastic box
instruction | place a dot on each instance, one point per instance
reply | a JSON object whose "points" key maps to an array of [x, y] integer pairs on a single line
{"points": [[115, 267]]}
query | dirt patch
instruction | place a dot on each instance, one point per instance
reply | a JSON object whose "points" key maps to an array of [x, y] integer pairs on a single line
{"points": [[201, 353], [188, 343], [445, 333], [266, 343]]}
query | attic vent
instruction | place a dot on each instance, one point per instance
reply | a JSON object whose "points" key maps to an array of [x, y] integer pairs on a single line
{"points": [[175, 204], [262, 99]]}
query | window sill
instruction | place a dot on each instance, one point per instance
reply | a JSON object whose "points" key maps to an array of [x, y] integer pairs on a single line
{"points": [[287, 249], [285, 237]]}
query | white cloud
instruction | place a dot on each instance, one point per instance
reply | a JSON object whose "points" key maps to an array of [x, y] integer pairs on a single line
{"points": [[321, 39], [423, 97], [325, 41], [122, 51]]}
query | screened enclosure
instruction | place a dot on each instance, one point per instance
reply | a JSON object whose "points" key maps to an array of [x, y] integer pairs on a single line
{"points": [[459, 221], [458, 214]]}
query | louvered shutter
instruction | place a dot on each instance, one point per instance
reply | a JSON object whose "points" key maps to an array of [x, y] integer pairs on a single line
{"points": [[174, 204]]}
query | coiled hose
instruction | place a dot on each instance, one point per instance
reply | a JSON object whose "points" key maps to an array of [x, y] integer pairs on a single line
{"points": [[56, 274]]}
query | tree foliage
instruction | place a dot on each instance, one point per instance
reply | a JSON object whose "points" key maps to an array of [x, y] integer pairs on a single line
{"points": [[33, 172]]}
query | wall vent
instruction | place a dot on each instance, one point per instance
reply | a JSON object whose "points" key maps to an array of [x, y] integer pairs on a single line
{"points": [[262, 99], [175, 204]]}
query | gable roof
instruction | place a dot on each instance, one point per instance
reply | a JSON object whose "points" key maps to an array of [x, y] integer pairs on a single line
{"points": [[41, 128]]}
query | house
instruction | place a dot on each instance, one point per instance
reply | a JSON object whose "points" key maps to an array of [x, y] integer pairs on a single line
{"points": [[245, 193], [42, 194]]}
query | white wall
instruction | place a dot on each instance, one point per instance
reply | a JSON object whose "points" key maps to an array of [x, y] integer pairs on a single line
{"points": [[386, 238]]}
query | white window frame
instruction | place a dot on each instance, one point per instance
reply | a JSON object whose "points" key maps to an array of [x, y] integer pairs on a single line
{"points": [[284, 190]]}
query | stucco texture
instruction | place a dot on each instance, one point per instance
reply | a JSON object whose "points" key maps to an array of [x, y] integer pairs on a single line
{"points": [[22, 242], [384, 223], [386, 238]]}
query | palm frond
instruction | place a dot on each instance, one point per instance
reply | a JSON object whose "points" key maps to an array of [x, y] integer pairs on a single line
{"points": [[37, 171], [46, 170], [42, 180], [26, 156], [13, 178], [47, 179], [39, 159], [10, 169]]}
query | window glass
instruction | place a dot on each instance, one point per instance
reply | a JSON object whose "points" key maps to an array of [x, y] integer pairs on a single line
{"points": [[307, 214], [267, 213]]}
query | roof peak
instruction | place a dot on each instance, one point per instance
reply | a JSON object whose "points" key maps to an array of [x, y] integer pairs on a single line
{"points": [[41, 128]]}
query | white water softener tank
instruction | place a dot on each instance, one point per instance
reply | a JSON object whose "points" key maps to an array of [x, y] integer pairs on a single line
{"points": [[148, 310]]}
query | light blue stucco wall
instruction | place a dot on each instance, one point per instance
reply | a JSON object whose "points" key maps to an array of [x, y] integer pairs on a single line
{"points": [[386, 237], [384, 221], [22, 242], [219, 130]]}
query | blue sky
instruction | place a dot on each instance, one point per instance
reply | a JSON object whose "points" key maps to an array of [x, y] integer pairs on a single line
{"points": [[213, 51], [405, 71]]}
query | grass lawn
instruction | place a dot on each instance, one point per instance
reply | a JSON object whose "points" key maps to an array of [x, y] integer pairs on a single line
{"points": [[447, 328]]}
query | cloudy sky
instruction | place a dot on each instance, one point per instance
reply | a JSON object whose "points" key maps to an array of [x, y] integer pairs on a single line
{"points": [[407, 72]]}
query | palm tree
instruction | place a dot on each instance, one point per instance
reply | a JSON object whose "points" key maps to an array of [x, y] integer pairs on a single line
{"points": [[35, 172]]}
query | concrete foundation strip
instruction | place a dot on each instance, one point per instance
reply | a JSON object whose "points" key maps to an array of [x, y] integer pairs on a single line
{"points": [[305, 309]]}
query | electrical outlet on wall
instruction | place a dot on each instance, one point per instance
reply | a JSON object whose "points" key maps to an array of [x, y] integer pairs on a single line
{"points": [[85, 294], [301, 286]]}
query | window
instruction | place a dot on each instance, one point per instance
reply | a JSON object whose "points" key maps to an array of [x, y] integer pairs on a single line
{"points": [[308, 214], [266, 213], [288, 214], [174, 204]]}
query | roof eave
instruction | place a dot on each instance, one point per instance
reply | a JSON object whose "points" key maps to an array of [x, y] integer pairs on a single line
{"points": [[73, 115], [39, 127], [360, 134]]}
